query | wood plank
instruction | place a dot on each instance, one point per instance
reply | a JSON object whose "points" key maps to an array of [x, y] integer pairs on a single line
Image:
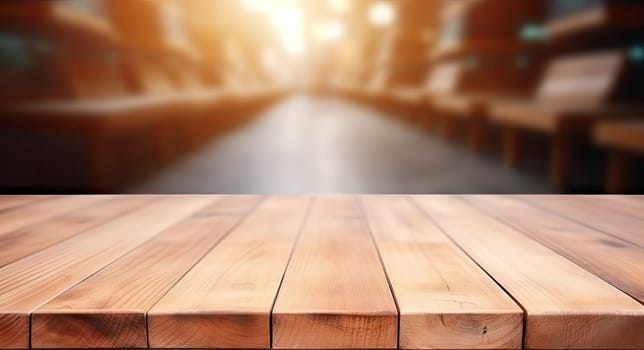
{"points": [[42, 210], [237, 205], [618, 262], [586, 210], [8, 202], [335, 293], [445, 300], [108, 310], [29, 283], [625, 205], [226, 299], [629, 205], [27, 240], [566, 306]]}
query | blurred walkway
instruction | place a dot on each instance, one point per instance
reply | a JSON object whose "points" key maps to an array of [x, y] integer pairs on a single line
{"points": [[316, 145]]}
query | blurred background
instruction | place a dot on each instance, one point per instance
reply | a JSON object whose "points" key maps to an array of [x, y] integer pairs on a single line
{"points": [[321, 96]]}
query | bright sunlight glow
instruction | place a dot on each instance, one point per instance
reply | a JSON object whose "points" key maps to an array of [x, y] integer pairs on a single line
{"points": [[329, 31], [340, 6], [382, 14], [287, 17]]}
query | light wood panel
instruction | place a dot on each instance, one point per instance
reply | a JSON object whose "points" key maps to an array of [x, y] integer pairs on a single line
{"points": [[614, 260], [236, 205], [597, 213], [630, 205], [226, 299], [28, 240], [445, 300], [29, 283], [108, 310], [335, 293], [42, 210], [10, 202], [566, 306]]}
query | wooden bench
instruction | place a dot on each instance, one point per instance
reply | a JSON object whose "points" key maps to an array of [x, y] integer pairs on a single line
{"points": [[595, 19], [410, 40], [575, 91], [478, 87], [488, 44], [125, 112], [78, 59], [443, 82], [624, 139]]}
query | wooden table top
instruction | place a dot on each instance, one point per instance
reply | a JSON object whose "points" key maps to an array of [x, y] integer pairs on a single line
{"points": [[346, 272]]}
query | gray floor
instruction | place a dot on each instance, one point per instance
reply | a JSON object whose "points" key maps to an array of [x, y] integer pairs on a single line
{"points": [[312, 145]]}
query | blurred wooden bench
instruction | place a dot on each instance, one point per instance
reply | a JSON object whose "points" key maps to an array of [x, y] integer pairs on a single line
{"points": [[443, 83], [624, 139], [409, 41], [125, 114], [595, 19], [488, 44], [575, 91]]}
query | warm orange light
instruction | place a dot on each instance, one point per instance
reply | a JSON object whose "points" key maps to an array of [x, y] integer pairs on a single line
{"points": [[289, 21], [287, 17], [329, 31], [340, 6], [382, 14], [254, 5]]}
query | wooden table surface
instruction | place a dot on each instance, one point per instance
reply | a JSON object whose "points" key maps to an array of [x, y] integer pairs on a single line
{"points": [[346, 272]]}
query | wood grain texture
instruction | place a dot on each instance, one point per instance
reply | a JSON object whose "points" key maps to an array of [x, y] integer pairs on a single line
{"points": [[30, 282], [8, 202], [335, 293], [566, 306], [28, 240], [598, 213], [24, 216], [225, 300], [618, 262], [108, 310], [629, 205], [445, 300]]}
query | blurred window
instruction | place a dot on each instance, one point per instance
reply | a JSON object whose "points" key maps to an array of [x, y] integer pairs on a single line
{"points": [[90, 7], [453, 30], [533, 32], [172, 24], [563, 8], [636, 54], [14, 52], [23, 74]]}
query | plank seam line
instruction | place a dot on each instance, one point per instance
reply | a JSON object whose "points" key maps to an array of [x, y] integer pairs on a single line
{"points": [[553, 249], [305, 220], [578, 221], [173, 224], [241, 219], [75, 234], [382, 265], [440, 227], [100, 200]]}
